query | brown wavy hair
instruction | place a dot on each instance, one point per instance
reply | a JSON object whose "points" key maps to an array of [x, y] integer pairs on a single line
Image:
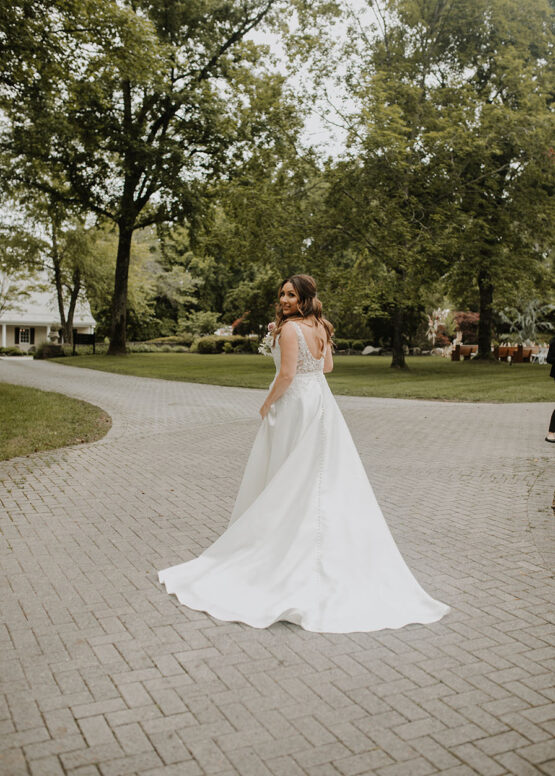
{"points": [[309, 304]]}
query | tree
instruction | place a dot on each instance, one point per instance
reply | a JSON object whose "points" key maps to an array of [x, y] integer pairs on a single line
{"points": [[255, 295], [389, 206], [447, 170], [502, 162], [46, 237], [18, 269], [16, 287], [127, 107]]}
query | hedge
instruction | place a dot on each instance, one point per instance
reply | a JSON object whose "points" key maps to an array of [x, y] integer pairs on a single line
{"points": [[216, 344]]}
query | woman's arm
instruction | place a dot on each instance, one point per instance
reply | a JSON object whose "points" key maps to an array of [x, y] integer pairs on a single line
{"points": [[328, 359], [289, 346]]}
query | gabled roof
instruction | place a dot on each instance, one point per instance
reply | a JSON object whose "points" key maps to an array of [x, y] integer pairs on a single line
{"points": [[40, 308]]}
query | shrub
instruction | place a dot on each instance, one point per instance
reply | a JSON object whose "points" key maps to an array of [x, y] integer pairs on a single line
{"points": [[86, 350], [141, 347], [228, 347], [215, 344], [442, 340], [49, 350], [342, 344], [145, 347], [467, 323], [185, 338], [11, 351], [206, 345], [357, 344]]}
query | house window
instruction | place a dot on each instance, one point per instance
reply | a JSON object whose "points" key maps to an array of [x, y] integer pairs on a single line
{"points": [[24, 336]]}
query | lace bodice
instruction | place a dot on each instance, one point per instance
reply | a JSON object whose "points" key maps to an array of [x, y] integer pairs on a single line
{"points": [[306, 363]]}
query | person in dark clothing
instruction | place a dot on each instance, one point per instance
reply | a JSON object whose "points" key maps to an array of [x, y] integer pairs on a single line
{"points": [[551, 360]]}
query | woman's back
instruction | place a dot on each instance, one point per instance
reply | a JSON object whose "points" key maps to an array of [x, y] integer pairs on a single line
{"points": [[306, 361], [315, 336]]}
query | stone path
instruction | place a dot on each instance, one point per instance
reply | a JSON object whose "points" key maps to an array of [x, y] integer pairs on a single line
{"points": [[105, 674]]}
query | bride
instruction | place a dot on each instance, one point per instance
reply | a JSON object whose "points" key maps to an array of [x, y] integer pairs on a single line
{"points": [[306, 541]]}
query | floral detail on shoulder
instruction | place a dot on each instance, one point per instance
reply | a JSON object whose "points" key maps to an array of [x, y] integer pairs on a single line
{"points": [[265, 347]]}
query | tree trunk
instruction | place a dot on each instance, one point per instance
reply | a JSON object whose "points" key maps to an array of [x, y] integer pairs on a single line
{"points": [[75, 289], [398, 360], [119, 301], [57, 264], [486, 317]]}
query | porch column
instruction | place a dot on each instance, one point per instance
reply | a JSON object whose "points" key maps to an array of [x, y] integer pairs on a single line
{"points": [[48, 333], [3, 335]]}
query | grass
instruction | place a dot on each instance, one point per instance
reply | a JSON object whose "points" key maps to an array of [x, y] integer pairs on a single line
{"points": [[427, 377], [33, 420]]}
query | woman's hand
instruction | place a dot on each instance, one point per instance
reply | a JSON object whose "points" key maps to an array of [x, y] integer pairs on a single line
{"points": [[264, 410]]}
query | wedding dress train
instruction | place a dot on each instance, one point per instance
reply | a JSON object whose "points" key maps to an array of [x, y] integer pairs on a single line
{"points": [[307, 541]]}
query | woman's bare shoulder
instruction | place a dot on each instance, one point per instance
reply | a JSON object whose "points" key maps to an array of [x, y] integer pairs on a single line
{"points": [[288, 329], [316, 325]]}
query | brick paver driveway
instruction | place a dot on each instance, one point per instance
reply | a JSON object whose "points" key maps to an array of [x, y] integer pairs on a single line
{"points": [[105, 673]]}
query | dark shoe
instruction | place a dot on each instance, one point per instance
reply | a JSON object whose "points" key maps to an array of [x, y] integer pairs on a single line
{"points": [[550, 440]]}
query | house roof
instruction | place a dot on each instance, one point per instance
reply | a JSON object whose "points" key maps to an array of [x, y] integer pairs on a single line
{"points": [[40, 308]]}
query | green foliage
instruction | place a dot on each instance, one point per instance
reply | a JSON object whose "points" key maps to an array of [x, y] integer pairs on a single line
{"points": [[354, 345], [528, 324], [216, 344], [255, 295], [176, 339], [20, 260], [448, 172], [199, 323], [157, 294], [49, 350], [126, 110], [342, 344], [164, 122]]}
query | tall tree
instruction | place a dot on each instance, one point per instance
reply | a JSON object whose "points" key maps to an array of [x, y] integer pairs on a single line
{"points": [[503, 165], [125, 108], [388, 207], [447, 164]]}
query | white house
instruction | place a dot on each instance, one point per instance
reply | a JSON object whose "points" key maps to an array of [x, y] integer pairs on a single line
{"points": [[33, 319]]}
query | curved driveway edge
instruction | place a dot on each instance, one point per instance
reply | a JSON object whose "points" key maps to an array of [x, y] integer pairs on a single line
{"points": [[104, 673]]}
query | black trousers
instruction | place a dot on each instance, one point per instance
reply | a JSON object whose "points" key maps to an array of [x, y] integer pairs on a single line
{"points": [[552, 423]]}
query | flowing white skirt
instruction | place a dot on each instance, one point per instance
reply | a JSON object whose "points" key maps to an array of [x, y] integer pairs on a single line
{"points": [[307, 541]]}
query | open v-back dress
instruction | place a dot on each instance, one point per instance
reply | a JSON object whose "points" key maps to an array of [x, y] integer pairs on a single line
{"points": [[307, 541]]}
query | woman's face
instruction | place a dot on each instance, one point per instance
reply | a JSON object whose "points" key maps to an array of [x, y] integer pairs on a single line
{"points": [[288, 299]]}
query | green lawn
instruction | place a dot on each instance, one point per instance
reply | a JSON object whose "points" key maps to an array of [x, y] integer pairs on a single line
{"points": [[426, 378], [33, 420]]}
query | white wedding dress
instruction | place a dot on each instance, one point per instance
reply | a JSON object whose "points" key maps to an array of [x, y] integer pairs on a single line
{"points": [[307, 541]]}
